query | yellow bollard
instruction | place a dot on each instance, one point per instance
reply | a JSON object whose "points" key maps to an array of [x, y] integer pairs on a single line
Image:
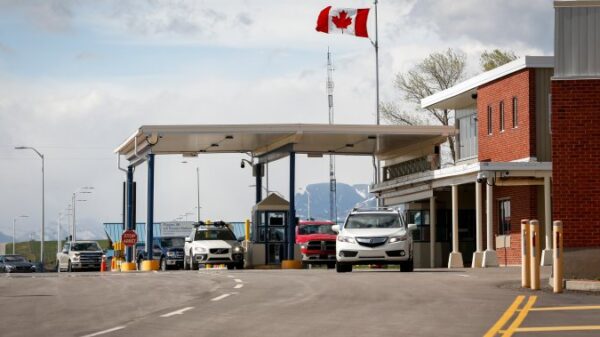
{"points": [[557, 254], [534, 234], [525, 258], [208, 222], [247, 230]]}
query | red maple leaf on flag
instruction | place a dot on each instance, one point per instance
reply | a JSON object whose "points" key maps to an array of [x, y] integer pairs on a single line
{"points": [[342, 21]]}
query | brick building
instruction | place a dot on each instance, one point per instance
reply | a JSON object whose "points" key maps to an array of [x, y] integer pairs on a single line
{"points": [[502, 172]]}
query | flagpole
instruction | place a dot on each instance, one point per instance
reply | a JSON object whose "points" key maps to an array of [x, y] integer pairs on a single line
{"points": [[376, 45]]}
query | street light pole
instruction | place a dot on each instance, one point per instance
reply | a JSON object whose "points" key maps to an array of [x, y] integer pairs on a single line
{"points": [[74, 202], [13, 236], [198, 189], [43, 202]]}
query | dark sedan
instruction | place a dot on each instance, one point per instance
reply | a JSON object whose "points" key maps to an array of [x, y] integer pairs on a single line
{"points": [[15, 264]]}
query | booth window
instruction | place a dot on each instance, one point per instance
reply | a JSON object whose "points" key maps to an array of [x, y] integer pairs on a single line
{"points": [[504, 221], [421, 219]]}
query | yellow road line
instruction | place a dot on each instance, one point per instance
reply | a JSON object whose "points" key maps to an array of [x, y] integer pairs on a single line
{"points": [[581, 307], [559, 328], [517, 322], [505, 317]]}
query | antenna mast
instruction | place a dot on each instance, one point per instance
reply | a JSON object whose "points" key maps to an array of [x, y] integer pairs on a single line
{"points": [[332, 181]]}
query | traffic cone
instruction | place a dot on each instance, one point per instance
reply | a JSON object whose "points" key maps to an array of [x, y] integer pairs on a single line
{"points": [[103, 264]]}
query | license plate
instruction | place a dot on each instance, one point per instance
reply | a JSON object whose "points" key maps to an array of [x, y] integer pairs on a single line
{"points": [[171, 262]]}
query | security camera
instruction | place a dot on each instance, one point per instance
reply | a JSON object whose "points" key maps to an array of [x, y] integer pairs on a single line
{"points": [[242, 165], [482, 177]]}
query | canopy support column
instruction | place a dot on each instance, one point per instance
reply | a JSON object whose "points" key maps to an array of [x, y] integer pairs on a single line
{"points": [[258, 168], [490, 258], [478, 255], [292, 211], [130, 224], [455, 260], [150, 209]]}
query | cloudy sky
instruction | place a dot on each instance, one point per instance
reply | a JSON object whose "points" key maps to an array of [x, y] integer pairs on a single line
{"points": [[78, 77]]}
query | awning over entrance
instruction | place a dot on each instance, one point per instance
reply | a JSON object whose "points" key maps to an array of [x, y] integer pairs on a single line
{"points": [[261, 139]]}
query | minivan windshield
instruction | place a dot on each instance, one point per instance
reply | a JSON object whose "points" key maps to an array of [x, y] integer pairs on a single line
{"points": [[214, 234], [373, 221]]}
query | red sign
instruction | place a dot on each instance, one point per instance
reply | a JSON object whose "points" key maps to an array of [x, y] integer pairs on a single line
{"points": [[129, 238]]}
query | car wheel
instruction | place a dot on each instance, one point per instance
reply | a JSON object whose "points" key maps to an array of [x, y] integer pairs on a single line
{"points": [[230, 267], [240, 265], [407, 266], [163, 264], [193, 264], [343, 268], [69, 267], [185, 263]]}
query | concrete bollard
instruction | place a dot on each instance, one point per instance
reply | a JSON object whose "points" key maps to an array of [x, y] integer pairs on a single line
{"points": [[534, 234], [247, 230], [525, 255], [557, 254]]}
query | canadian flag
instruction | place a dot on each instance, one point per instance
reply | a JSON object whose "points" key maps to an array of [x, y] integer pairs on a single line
{"points": [[350, 21]]}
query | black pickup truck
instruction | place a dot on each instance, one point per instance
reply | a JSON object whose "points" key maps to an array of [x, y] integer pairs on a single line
{"points": [[168, 250]]}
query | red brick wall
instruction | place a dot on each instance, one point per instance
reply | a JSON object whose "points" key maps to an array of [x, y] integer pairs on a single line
{"points": [[523, 203], [576, 160], [512, 143]]}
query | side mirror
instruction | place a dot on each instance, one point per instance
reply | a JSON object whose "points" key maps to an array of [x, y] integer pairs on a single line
{"points": [[188, 239], [412, 227], [65, 251], [335, 228]]}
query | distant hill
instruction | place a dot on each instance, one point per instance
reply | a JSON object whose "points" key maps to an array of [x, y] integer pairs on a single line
{"points": [[348, 197], [5, 238]]}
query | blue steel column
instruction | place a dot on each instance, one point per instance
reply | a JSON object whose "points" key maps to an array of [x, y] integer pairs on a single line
{"points": [[150, 208], [130, 225], [258, 170], [292, 211]]}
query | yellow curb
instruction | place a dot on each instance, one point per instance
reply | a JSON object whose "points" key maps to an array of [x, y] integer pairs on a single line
{"points": [[291, 264], [150, 265], [128, 266]]}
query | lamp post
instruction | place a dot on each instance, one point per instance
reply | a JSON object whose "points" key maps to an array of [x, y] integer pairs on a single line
{"points": [[43, 202], [197, 189], [14, 224], [82, 190]]}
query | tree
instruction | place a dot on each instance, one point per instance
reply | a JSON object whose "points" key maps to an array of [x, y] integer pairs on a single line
{"points": [[437, 72], [495, 58]]}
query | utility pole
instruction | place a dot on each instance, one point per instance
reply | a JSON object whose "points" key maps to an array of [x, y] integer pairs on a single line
{"points": [[332, 180]]}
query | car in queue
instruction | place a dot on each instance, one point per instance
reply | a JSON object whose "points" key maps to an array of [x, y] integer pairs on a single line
{"points": [[374, 236], [317, 242], [15, 264], [80, 255], [167, 250], [213, 244]]}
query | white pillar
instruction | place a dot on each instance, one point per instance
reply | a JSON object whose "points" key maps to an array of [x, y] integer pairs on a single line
{"points": [[478, 254], [455, 260], [490, 258], [547, 253], [432, 232]]}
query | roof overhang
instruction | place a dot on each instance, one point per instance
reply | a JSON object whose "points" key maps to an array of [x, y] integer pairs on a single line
{"points": [[261, 140], [461, 95]]}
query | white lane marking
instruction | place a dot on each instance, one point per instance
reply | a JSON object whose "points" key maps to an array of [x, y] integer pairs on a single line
{"points": [[238, 286], [218, 298], [238, 280], [105, 331], [230, 276], [177, 312], [463, 275]]}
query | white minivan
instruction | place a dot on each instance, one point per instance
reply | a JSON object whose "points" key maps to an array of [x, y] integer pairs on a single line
{"points": [[374, 236]]}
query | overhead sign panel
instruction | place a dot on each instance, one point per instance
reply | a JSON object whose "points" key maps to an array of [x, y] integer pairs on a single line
{"points": [[176, 228]]}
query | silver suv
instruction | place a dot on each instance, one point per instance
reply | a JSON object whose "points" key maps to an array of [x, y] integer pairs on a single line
{"points": [[374, 236], [212, 244]]}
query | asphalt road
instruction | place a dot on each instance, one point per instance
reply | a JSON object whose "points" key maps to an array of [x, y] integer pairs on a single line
{"points": [[286, 303]]}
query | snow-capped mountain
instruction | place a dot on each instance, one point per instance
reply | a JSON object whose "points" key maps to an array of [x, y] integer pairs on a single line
{"points": [[348, 197]]}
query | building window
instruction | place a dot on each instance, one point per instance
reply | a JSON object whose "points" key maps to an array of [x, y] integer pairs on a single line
{"points": [[489, 119], [515, 112], [504, 221], [501, 116]]}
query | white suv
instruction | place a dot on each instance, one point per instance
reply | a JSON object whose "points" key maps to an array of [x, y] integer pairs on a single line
{"points": [[374, 236], [212, 244]]}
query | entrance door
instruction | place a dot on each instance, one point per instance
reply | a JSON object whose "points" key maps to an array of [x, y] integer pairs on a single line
{"points": [[275, 237]]}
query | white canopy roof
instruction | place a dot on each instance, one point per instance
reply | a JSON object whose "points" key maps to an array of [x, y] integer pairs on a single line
{"points": [[263, 139]]}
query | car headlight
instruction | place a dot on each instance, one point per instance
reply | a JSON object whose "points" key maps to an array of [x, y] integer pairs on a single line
{"points": [[397, 238], [170, 254], [347, 239], [238, 249], [9, 267], [199, 249]]}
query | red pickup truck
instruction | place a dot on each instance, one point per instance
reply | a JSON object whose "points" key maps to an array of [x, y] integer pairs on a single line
{"points": [[317, 242]]}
